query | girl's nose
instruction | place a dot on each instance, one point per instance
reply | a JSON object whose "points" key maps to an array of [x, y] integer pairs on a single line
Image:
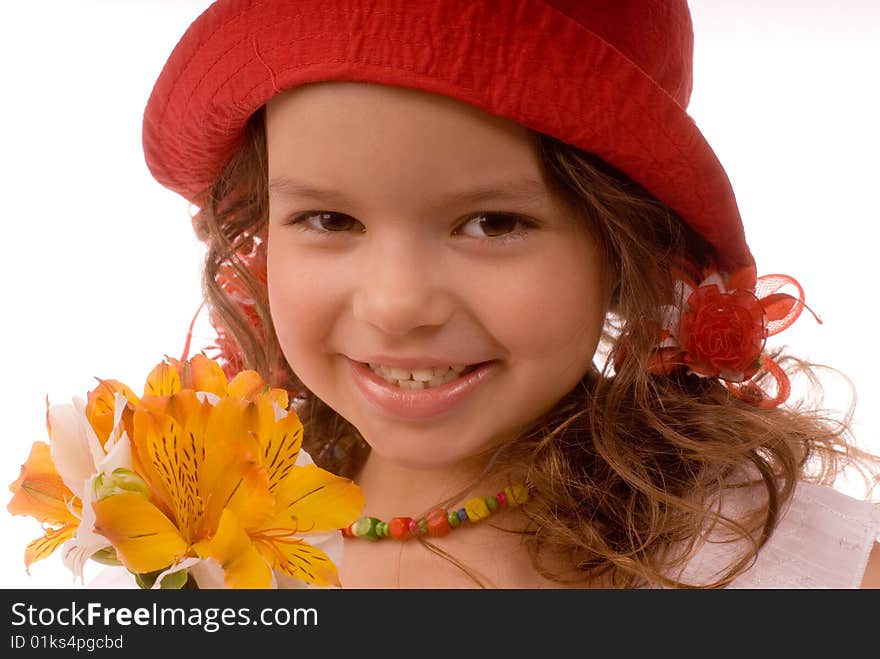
{"points": [[401, 291]]}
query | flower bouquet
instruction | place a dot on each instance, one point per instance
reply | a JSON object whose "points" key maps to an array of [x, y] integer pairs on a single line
{"points": [[200, 482]]}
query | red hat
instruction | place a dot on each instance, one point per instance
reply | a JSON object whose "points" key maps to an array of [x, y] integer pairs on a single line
{"points": [[612, 77]]}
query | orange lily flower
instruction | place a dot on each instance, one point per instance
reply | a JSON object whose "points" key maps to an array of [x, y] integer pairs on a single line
{"points": [[229, 483]]}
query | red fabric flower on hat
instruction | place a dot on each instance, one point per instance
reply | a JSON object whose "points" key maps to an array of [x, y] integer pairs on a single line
{"points": [[718, 328], [722, 334]]}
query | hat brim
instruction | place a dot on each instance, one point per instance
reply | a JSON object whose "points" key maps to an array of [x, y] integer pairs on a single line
{"points": [[543, 70]]}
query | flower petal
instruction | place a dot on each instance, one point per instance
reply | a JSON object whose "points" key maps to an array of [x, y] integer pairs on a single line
{"points": [[249, 384], [246, 384], [145, 540], [48, 543], [247, 495], [280, 440], [312, 499], [331, 543], [171, 449], [85, 541], [300, 560], [203, 374], [163, 380], [118, 457], [208, 574], [286, 582], [75, 447], [242, 564], [40, 492], [102, 408], [231, 475]]}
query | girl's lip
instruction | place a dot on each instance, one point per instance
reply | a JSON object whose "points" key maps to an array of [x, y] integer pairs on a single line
{"points": [[418, 403]]}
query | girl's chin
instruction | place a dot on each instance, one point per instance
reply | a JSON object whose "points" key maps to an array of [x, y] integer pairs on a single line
{"points": [[426, 455], [425, 460]]}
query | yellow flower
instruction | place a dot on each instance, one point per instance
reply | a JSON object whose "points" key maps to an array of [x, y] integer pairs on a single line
{"points": [[229, 482], [40, 492]]}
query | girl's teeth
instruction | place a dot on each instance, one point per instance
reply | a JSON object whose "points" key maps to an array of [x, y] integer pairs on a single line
{"points": [[420, 378], [423, 374], [410, 384]]}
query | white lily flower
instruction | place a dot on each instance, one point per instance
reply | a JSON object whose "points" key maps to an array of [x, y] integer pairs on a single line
{"points": [[80, 459], [75, 448]]}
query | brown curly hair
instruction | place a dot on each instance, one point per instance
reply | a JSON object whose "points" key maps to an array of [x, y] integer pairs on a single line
{"points": [[623, 470]]}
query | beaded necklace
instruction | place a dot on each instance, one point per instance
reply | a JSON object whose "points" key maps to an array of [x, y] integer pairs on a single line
{"points": [[439, 522]]}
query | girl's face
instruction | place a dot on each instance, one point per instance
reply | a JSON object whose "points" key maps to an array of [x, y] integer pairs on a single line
{"points": [[410, 230]]}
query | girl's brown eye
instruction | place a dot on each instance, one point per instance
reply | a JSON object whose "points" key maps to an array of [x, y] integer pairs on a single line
{"points": [[324, 221], [493, 225]]}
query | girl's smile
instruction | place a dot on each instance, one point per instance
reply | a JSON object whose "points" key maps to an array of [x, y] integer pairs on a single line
{"points": [[423, 279], [419, 394]]}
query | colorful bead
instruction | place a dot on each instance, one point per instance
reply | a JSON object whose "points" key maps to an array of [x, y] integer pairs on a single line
{"points": [[462, 515], [453, 518], [398, 528], [365, 527], [516, 494], [492, 503], [382, 529], [413, 527], [477, 509], [438, 523], [501, 498], [423, 526]]}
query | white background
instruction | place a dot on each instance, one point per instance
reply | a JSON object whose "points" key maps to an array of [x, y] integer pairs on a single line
{"points": [[100, 267]]}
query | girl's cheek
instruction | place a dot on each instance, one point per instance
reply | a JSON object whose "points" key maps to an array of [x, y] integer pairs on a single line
{"points": [[559, 308], [296, 293]]}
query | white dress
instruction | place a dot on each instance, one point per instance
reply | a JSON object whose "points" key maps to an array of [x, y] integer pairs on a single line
{"points": [[823, 541]]}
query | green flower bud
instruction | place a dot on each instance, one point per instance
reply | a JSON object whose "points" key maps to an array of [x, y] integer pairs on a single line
{"points": [[175, 580], [107, 556], [121, 480]]}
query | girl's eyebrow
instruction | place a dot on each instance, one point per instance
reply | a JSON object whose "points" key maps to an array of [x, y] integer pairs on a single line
{"points": [[522, 190]]}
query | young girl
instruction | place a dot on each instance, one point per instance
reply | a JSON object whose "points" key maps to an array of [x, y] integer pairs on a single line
{"points": [[506, 279]]}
